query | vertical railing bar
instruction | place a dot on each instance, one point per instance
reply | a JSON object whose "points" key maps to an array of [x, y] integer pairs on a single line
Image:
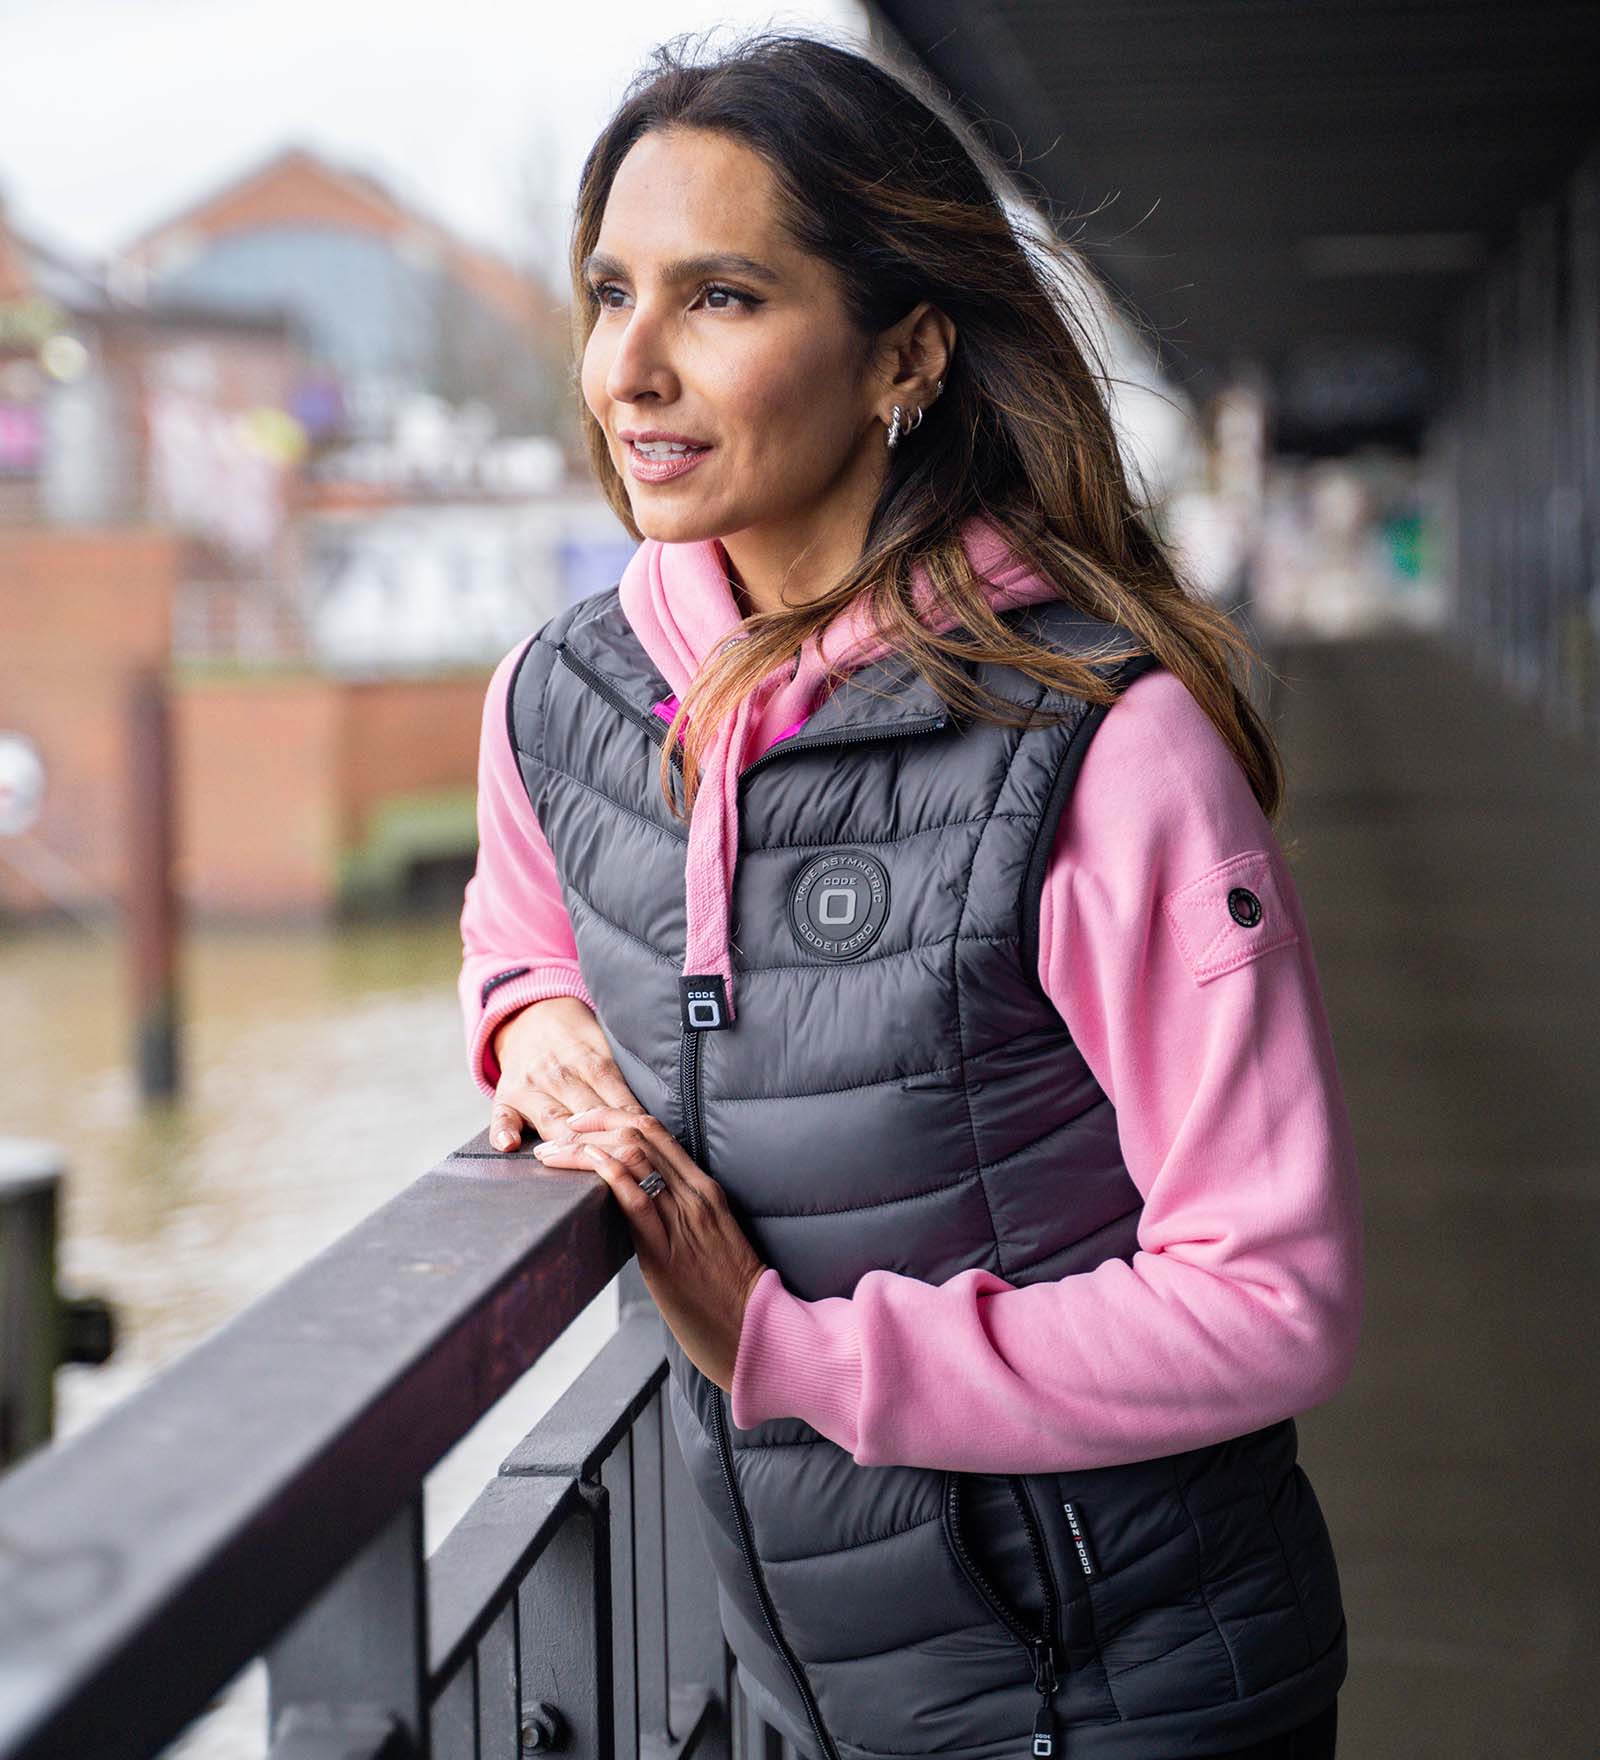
{"points": [[633, 1587], [565, 1675], [698, 1654], [363, 1640], [498, 1681], [616, 1475], [453, 1715], [650, 1573]]}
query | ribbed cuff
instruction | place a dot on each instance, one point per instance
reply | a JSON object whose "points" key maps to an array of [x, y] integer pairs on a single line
{"points": [[798, 1359], [535, 985]]}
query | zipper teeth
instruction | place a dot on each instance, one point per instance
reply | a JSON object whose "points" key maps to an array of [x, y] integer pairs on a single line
{"points": [[620, 703], [1041, 1559], [768, 1612], [689, 1079], [689, 1086], [1003, 1613]]}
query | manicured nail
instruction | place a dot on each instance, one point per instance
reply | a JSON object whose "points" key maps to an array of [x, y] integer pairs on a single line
{"points": [[502, 1139]]}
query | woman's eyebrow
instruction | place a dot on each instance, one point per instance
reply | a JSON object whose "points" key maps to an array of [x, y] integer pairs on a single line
{"points": [[689, 268]]}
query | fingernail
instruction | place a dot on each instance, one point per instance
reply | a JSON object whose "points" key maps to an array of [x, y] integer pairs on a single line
{"points": [[542, 1149], [502, 1139]]}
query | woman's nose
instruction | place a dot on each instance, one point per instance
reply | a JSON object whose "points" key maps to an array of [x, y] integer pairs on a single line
{"points": [[639, 364]]}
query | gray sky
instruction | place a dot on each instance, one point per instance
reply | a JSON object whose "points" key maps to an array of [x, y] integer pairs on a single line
{"points": [[116, 113]]}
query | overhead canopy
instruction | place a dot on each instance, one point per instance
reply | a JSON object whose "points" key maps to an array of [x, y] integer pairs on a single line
{"points": [[1306, 184]]}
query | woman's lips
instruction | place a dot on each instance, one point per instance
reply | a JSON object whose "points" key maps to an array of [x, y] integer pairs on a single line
{"points": [[661, 470]]}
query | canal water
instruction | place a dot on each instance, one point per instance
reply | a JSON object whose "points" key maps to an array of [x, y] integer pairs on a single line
{"points": [[326, 1070]]}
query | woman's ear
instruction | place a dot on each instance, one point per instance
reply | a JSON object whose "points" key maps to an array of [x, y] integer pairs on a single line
{"points": [[913, 356]]}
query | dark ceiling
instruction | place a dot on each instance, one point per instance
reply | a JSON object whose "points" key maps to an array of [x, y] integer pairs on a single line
{"points": [[1306, 184]]}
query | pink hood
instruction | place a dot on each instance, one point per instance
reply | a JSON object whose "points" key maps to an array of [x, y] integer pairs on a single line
{"points": [[679, 602]]}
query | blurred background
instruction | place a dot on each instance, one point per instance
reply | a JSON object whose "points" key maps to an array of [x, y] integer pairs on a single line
{"points": [[289, 458]]}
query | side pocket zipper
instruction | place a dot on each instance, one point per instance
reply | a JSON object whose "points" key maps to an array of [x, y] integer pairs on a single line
{"points": [[1041, 1644]]}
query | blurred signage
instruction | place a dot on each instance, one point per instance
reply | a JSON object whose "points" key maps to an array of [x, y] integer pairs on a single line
{"points": [[21, 784], [21, 439], [218, 471], [435, 584], [438, 447]]}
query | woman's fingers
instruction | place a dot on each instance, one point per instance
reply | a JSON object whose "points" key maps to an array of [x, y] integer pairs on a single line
{"points": [[505, 1126], [657, 1145], [644, 1219], [558, 1080], [554, 1061], [628, 1151]]}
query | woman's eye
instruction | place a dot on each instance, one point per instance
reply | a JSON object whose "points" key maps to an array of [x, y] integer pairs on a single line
{"points": [[598, 293], [731, 293]]}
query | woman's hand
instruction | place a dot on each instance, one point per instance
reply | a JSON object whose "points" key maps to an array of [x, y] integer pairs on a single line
{"points": [[697, 1262], [554, 1061]]}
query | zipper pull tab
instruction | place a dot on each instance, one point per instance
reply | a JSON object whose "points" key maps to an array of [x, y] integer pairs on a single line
{"points": [[1044, 1731], [1044, 1681]]}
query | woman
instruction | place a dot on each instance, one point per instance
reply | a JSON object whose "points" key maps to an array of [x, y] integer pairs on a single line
{"points": [[933, 997]]}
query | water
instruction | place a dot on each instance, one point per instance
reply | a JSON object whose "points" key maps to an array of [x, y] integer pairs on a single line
{"points": [[326, 1070]]}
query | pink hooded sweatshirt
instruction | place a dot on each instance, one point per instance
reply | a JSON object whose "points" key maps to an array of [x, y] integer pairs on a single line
{"points": [[1244, 1301]]}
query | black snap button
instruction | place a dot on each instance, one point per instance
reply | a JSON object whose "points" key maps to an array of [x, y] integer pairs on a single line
{"points": [[1244, 907]]}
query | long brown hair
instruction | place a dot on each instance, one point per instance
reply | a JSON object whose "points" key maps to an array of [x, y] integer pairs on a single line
{"points": [[878, 185]]}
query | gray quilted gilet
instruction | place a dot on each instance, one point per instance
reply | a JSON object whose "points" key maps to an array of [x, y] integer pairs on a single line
{"points": [[897, 1092]]}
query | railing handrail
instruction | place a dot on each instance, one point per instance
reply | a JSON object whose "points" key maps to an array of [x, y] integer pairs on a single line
{"points": [[146, 1559]]}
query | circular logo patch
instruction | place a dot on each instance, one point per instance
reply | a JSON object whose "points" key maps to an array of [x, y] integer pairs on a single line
{"points": [[1244, 907], [839, 902]]}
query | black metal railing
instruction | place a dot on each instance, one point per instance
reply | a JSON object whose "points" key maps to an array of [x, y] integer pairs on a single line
{"points": [[262, 1496]]}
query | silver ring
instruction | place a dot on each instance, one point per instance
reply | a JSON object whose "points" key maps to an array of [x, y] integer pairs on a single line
{"points": [[653, 1183]]}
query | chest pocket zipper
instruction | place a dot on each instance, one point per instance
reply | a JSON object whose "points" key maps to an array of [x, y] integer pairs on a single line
{"points": [[1040, 1645]]}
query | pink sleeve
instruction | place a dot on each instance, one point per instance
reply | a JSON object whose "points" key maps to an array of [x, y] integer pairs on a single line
{"points": [[1244, 1300], [516, 941]]}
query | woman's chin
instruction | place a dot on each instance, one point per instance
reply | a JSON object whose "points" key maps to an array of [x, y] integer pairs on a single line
{"points": [[673, 525]]}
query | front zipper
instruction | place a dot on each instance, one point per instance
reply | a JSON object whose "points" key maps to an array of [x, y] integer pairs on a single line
{"points": [[689, 1089], [689, 1077], [1040, 1645], [694, 1147]]}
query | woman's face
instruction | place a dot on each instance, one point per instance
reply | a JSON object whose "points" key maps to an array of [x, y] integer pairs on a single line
{"points": [[762, 368]]}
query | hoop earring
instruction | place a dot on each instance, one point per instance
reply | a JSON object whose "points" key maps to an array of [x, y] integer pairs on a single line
{"points": [[894, 429]]}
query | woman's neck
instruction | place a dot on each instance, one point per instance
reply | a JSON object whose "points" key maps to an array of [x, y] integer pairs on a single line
{"points": [[783, 569], [740, 597]]}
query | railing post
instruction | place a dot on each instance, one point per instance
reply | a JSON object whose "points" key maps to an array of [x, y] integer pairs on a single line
{"points": [[564, 1619], [355, 1663], [30, 1335], [151, 900]]}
